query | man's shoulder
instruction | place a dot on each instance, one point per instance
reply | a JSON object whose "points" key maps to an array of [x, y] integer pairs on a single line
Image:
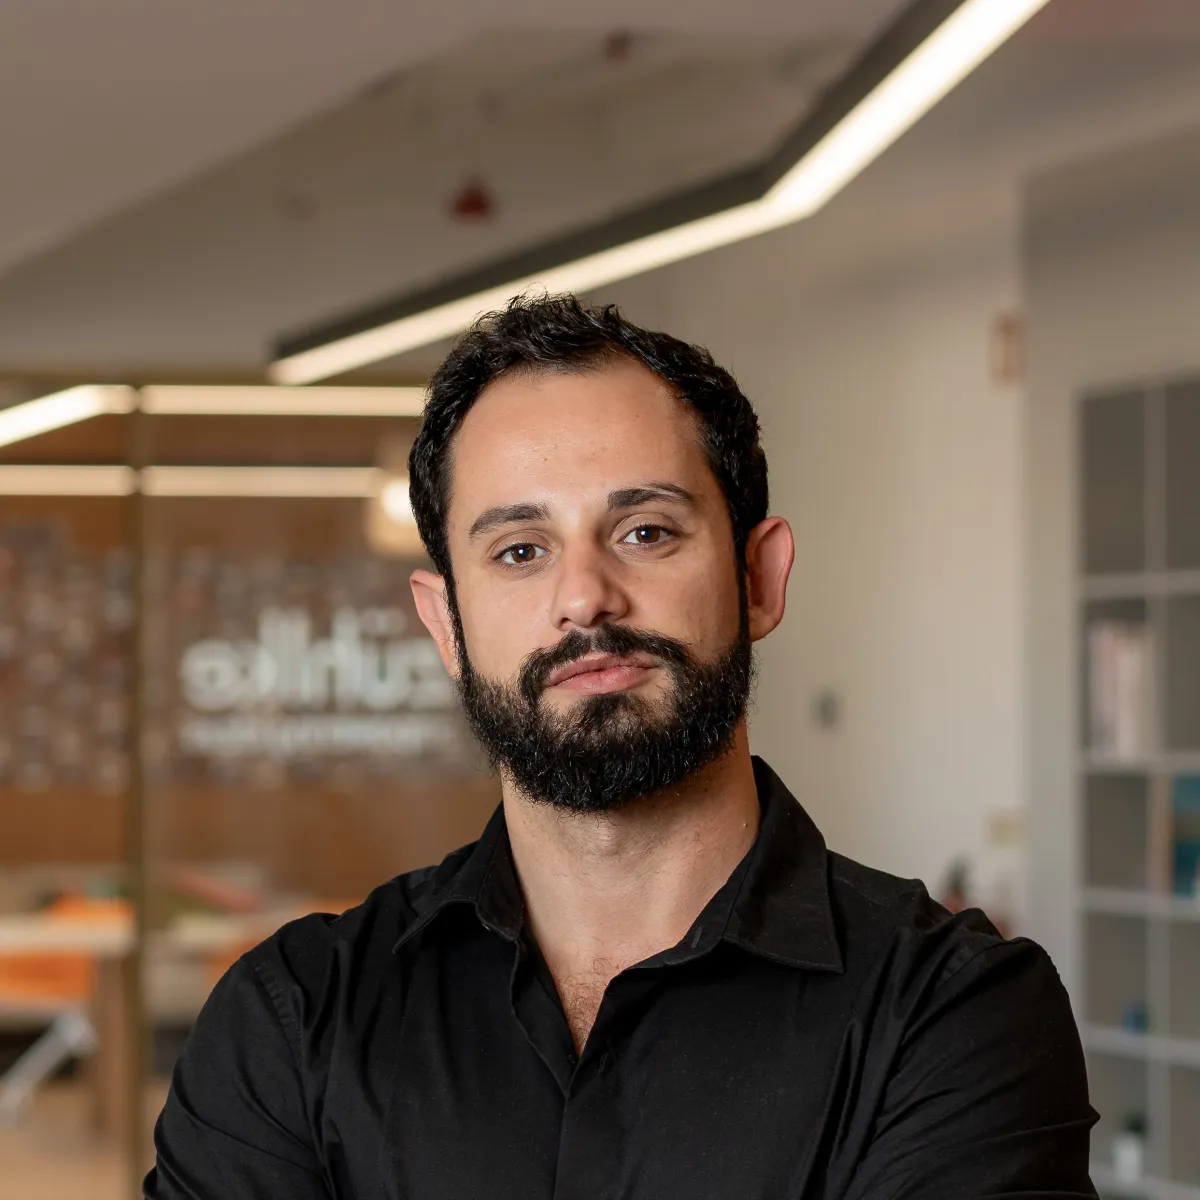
{"points": [[872, 903], [307, 948], [885, 918], [876, 888]]}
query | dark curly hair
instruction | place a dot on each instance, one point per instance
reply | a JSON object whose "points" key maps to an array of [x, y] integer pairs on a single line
{"points": [[549, 333]]}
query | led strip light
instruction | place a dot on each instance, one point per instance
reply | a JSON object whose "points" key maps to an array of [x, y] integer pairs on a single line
{"points": [[239, 401], [70, 479], [59, 409]]}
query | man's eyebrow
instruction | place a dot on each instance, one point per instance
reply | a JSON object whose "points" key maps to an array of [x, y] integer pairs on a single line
{"points": [[647, 493], [506, 514], [630, 497]]}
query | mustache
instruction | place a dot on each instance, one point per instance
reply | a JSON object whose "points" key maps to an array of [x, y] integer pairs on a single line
{"points": [[608, 639]]}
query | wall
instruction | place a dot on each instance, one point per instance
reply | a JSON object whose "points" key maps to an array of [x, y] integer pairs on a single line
{"points": [[902, 484], [1112, 267]]}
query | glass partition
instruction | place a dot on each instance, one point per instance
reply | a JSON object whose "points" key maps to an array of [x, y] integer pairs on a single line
{"points": [[244, 616]]}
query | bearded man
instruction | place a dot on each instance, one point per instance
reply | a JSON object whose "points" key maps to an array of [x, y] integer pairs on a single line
{"points": [[649, 978]]}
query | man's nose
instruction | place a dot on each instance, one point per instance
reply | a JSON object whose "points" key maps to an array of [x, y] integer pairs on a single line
{"points": [[588, 590]]}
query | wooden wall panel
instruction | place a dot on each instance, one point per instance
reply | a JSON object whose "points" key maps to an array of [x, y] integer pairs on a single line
{"points": [[61, 825], [317, 841]]}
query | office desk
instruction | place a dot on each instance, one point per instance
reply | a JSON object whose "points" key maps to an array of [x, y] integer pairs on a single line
{"points": [[109, 942]]}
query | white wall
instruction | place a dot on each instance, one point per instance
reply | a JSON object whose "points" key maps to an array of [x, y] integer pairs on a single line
{"points": [[900, 473]]}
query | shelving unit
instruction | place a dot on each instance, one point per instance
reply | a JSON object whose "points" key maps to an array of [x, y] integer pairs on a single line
{"points": [[1138, 912]]}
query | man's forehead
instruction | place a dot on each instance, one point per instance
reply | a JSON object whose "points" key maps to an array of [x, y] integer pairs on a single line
{"points": [[557, 441], [618, 411]]}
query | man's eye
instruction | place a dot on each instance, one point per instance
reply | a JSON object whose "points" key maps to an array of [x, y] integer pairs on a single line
{"points": [[647, 535], [519, 555]]}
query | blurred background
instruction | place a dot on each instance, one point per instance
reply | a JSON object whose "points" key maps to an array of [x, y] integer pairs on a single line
{"points": [[977, 365]]}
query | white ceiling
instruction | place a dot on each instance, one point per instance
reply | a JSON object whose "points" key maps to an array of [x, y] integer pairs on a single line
{"points": [[354, 203], [106, 102], [179, 191]]}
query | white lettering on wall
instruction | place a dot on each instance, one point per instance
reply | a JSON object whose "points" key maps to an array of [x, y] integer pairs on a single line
{"points": [[289, 669], [367, 688]]}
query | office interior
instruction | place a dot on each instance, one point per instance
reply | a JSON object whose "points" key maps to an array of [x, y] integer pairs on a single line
{"points": [[977, 368]]}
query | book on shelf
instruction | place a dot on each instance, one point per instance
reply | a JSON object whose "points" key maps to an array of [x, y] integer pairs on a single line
{"points": [[1185, 812], [1121, 689]]}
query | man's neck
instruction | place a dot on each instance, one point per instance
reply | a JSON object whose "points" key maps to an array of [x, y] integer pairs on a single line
{"points": [[606, 890]]}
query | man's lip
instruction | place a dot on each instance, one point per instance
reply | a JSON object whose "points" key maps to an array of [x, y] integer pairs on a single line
{"points": [[596, 662]]}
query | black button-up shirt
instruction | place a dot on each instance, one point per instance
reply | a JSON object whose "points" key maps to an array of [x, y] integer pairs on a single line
{"points": [[823, 1031]]}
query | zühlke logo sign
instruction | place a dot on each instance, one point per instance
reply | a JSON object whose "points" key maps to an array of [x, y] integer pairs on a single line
{"points": [[366, 688], [287, 668]]}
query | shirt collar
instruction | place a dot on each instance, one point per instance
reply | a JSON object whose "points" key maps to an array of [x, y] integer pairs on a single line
{"points": [[783, 909], [775, 904]]}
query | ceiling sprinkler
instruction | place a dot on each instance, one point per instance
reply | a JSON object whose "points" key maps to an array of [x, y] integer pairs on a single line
{"points": [[474, 202]]}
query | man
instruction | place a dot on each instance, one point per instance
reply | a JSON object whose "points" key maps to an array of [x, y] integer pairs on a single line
{"points": [[649, 978]]}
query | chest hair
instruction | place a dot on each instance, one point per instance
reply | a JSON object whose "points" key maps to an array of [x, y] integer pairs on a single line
{"points": [[581, 989]]}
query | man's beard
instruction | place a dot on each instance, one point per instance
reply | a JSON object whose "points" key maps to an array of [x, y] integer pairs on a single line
{"points": [[609, 749]]}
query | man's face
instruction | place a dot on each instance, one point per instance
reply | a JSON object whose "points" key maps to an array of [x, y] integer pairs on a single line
{"points": [[606, 653]]}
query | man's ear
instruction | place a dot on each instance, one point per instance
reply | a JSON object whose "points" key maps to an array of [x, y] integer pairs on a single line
{"points": [[429, 595], [770, 550]]}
